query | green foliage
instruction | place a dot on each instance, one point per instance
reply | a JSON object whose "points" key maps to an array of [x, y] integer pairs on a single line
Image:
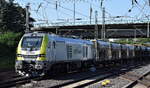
{"points": [[125, 41], [12, 17], [140, 41], [12, 26], [9, 42], [9, 38], [143, 40]]}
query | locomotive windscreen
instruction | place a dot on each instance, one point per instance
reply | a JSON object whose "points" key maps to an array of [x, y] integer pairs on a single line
{"points": [[32, 42]]}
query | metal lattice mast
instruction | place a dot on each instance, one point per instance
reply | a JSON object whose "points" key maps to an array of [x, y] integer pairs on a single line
{"points": [[96, 25], [148, 29], [96, 36], [27, 18], [103, 31], [74, 12]]}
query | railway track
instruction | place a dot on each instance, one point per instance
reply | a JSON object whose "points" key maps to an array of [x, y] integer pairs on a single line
{"points": [[16, 81], [138, 80], [87, 81], [93, 78], [127, 79]]}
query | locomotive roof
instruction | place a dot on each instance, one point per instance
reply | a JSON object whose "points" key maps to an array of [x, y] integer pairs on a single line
{"points": [[115, 45], [34, 34], [70, 40], [58, 38], [124, 46], [103, 43]]}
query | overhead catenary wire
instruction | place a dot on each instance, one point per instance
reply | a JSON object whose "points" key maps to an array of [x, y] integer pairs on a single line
{"points": [[141, 9], [60, 9], [44, 14], [143, 13], [98, 6], [79, 1], [40, 6], [67, 9], [135, 4]]}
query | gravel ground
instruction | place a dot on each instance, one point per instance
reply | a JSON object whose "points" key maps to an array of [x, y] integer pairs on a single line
{"points": [[142, 70], [63, 79], [148, 77], [119, 82], [50, 82], [115, 82]]}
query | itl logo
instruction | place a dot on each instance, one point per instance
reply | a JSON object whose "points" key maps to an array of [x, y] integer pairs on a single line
{"points": [[28, 49], [30, 52]]}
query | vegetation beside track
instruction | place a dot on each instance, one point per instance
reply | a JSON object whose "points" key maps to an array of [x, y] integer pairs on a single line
{"points": [[12, 26], [138, 41], [8, 45]]}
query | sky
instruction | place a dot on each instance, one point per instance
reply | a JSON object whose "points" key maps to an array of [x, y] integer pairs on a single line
{"points": [[44, 11]]}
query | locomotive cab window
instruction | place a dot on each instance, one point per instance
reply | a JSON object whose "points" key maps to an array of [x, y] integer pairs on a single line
{"points": [[31, 42]]}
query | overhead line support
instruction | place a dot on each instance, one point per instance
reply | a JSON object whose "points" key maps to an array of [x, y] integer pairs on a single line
{"points": [[148, 29], [74, 13], [103, 31], [27, 18], [96, 36]]}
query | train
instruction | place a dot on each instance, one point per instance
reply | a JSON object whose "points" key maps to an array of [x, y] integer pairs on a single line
{"points": [[40, 54]]}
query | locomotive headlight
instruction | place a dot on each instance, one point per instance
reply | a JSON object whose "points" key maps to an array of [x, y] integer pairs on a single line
{"points": [[39, 65], [19, 55], [41, 55]]}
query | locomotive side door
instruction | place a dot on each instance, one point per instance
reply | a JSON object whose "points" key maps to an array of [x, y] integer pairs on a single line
{"points": [[60, 51], [85, 52]]}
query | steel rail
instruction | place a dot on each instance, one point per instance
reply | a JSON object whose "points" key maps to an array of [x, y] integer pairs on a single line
{"points": [[16, 81], [136, 81], [92, 79]]}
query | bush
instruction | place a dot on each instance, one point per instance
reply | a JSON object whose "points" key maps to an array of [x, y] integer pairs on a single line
{"points": [[10, 39], [8, 45], [9, 42]]}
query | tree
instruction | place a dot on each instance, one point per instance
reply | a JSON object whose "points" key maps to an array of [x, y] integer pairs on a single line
{"points": [[12, 17]]}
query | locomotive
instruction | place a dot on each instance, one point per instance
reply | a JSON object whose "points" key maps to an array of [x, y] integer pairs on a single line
{"points": [[40, 54]]}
